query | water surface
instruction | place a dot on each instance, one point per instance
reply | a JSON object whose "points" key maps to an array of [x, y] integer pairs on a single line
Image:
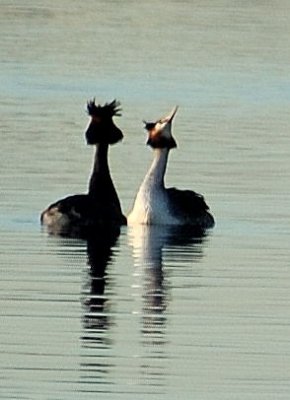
{"points": [[157, 314]]}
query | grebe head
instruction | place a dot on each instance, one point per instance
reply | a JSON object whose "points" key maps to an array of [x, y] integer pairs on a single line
{"points": [[159, 132], [101, 128]]}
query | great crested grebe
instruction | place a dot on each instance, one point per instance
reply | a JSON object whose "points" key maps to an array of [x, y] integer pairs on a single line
{"points": [[155, 204], [81, 214]]}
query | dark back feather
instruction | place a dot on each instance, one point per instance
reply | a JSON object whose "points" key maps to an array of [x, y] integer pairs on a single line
{"points": [[187, 203]]}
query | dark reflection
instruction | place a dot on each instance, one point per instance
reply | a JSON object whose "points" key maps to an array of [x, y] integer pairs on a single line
{"points": [[96, 303], [150, 246], [100, 247], [156, 250], [99, 254]]}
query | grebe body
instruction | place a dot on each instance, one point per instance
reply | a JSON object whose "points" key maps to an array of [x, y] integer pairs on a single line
{"points": [[100, 208], [157, 205]]}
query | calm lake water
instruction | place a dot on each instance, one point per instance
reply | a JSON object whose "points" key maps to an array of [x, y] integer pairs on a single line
{"points": [[157, 315]]}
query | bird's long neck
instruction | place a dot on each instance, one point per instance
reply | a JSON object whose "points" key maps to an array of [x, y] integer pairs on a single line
{"points": [[101, 183], [155, 175]]}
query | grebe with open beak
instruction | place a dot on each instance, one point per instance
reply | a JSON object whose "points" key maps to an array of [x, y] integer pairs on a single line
{"points": [[156, 204]]}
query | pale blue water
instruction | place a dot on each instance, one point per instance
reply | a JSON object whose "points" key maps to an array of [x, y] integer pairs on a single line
{"points": [[158, 315]]}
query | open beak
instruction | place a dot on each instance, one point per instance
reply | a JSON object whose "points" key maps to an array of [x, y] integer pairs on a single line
{"points": [[170, 116]]}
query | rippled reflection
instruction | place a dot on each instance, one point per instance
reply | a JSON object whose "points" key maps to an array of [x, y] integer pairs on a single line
{"points": [[157, 249], [99, 254], [96, 319], [108, 347], [154, 248]]}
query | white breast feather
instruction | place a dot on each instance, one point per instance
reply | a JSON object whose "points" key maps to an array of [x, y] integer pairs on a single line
{"points": [[151, 207]]}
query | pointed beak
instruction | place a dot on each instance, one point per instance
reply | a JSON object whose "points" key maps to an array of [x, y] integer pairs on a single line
{"points": [[170, 116]]}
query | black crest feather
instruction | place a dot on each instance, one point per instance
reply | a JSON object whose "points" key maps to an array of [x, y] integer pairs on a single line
{"points": [[149, 125], [108, 110]]}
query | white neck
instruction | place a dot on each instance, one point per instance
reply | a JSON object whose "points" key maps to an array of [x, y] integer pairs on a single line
{"points": [[155, 175], [151, 203]]}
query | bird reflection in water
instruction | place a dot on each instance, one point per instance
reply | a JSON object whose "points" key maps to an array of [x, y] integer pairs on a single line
{"points": [[157, 251], [149, 246], [96, 304], [100, 249], [100, 252]]}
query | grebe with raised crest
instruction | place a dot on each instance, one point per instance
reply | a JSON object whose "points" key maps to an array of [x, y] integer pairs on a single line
{"points": [[155, 204], [81, 214]]}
